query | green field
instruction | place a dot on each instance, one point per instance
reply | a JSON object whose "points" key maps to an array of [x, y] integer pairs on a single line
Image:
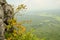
{"points": [[46, 24]]}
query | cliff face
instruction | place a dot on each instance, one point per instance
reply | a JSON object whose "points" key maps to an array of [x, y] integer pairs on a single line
{"points": [[6, 12]]}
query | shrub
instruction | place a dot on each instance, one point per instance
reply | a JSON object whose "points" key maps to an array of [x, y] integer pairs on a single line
{"points": [[15, 31]]}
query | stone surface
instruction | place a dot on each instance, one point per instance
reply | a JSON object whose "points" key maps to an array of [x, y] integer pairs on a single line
{"points": [[1, 12], [6, 12], [1, 23]]}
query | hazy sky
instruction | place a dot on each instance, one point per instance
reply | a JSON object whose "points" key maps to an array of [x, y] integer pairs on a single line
{"points": [[37, 4]]}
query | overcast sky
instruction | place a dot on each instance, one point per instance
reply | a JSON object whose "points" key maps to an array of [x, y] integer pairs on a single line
{"points": [[37, 4]]}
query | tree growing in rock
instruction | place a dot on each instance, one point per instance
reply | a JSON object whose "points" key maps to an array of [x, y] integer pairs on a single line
{"points": [[9, 28], [6, 14]]}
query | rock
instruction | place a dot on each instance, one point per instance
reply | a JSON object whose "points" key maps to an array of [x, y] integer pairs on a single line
{"points": [[6, 13], [2, 1], [2, 28], [1, 23], [1, 12]]}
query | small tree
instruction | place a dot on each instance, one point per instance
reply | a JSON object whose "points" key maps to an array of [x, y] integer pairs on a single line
{"points": [[14, 30]]}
